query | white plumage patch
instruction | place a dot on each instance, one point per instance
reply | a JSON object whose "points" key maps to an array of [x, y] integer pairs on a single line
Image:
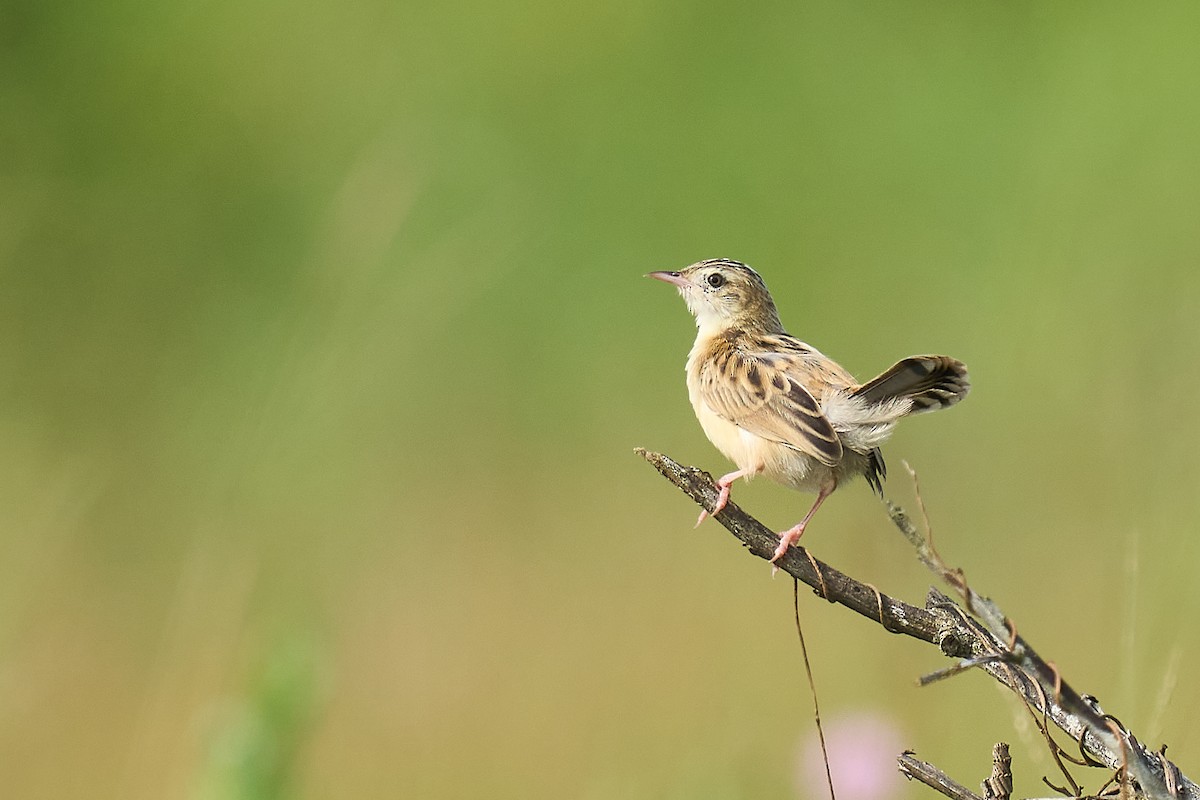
{"points": [[860, 425]]}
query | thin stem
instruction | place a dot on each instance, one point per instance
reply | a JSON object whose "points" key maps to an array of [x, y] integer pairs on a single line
{"points": [[812, 687]]}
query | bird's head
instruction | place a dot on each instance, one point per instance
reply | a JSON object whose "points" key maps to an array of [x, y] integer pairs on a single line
{"points": [[722, 294]]}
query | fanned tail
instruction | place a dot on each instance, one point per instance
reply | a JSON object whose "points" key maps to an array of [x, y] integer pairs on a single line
{"points": [[929, 382]]}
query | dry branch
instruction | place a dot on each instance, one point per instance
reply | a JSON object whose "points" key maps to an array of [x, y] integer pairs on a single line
{"points": [[978, 635], [914, 768]]}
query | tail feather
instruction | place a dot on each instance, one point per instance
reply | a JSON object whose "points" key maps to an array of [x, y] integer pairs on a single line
{"points": [[876, 471], [930, 382]]}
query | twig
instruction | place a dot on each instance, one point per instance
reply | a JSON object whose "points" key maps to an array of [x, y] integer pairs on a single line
{"points": [[827, 582], [987, 636], [913, 767], [1044, 673], [812, 686]]}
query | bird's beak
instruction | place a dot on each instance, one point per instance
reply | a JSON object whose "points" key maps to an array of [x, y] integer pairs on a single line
{"points": [[669, 277]]}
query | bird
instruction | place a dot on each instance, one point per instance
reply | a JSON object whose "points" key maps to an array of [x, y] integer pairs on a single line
{"points": [[776, 406]]}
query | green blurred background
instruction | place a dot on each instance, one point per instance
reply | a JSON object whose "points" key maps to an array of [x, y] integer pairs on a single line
{"points": [[324, 349]]}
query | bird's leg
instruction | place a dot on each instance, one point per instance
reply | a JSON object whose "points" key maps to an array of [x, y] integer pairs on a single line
{"points": [[792, 535], [723, 496]]}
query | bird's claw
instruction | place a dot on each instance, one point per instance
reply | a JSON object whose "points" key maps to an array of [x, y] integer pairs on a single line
{"points": [[786, 540], [722, 501]]}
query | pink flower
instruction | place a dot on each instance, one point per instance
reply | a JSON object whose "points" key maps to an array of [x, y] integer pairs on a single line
{"points": [[862, 757]]}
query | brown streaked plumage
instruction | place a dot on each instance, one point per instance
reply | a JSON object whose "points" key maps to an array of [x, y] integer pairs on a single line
{"points": [[774, 405]]}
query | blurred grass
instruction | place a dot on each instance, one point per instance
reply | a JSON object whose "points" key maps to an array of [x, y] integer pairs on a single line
{"points": [[254, 754], [327, 320]]}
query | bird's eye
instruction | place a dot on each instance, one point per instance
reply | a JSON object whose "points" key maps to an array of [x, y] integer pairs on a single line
{"points": [[716, 280]]}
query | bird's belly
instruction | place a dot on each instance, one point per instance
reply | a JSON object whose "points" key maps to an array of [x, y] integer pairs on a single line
{"points": [[742, 448], [755, 454]]}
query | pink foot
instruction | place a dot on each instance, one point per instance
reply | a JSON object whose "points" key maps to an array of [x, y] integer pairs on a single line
{"points": [[787, 539], [722, 501], [722, 496]]}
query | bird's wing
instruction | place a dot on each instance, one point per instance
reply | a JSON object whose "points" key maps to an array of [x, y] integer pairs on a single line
{"points": [[763, 391]]}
